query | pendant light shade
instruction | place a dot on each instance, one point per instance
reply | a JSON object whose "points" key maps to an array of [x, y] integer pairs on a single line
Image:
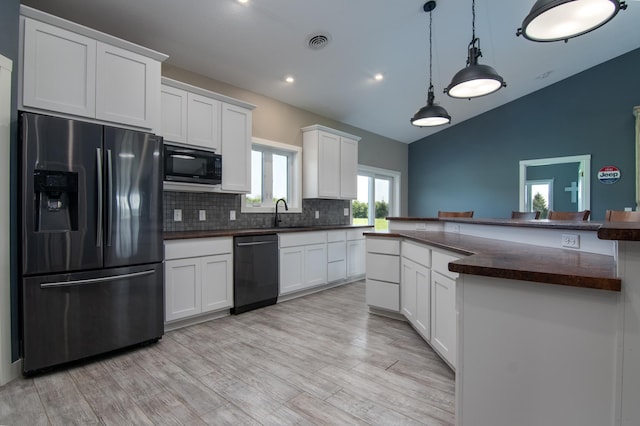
{"points": [[430, 114], [553, 20], [474, 80]]}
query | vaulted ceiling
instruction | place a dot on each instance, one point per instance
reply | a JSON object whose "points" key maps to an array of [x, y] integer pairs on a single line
{"points": [[256, 44]]}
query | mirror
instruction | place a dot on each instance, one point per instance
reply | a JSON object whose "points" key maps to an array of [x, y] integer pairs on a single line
{"points": [[559, 183]]}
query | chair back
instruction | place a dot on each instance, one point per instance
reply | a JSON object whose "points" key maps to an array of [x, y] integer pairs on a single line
{"points": [[621, 216], [525, 215], [583, 215], [455, 214]]}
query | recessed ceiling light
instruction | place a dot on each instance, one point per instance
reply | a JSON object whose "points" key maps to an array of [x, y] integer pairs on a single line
{"points": [[378, 77], [243, 1], [289, 79]]}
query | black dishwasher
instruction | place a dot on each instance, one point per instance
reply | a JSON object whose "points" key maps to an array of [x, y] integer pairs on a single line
{"points": [[255, 272]]}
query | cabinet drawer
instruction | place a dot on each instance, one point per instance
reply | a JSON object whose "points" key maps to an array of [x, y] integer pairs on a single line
{"points": [[301, 238], [383, 267], [357, 234], [334, 236], [383, 295], [336, 271], [417, 253], [180, 249], [440, 263], [383, 245], [336, 251]]}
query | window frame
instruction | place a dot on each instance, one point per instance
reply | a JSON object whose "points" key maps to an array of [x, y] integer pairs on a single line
{"points": [[394, 197], [294, 198]]}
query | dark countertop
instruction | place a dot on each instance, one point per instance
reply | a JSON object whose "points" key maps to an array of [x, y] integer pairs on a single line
{"points": [[526, 262], [533, 223], [623, 231], [179, 235], [627, 231]]}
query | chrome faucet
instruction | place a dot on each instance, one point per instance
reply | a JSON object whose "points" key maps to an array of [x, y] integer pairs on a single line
{"points": [[276, 219]]}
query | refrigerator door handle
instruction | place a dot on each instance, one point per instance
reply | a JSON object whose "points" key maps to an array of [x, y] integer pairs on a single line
{"points": [[99, 219], [96, 280], [109, 196]]}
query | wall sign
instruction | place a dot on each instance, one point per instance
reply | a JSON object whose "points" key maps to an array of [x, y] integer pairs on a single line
{"points": [[609, 174]]}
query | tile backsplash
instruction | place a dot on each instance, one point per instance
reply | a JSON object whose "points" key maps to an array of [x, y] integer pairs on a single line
{"points": [[217, 209]]}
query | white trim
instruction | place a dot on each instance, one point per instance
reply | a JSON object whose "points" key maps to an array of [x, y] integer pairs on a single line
{"points": [[394, 203], [549, 182], [296, 178], [584, 199], [56, 21], [204, 92], [330, 130]]}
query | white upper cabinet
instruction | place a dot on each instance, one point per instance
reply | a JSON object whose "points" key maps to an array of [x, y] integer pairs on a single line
{"points": [[348, 168], [127, 87], [59, 70], [198, 117], [236, 148], [203, 121], [173, 124], [69, 69], [330, 163]]}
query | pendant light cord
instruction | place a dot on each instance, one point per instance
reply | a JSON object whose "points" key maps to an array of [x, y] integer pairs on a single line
{"points": [[474, 51], [430, 53], [473, 20]]}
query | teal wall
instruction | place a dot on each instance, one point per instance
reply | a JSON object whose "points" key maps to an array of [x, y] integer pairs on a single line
{"points": [[474, 165]]}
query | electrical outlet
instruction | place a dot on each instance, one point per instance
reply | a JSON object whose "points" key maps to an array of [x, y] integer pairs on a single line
{"points": [[571, 240], [202, 214], [346, 211], [421, 226], [177, 215], [317, 214], [628, 209], [232, 215]]}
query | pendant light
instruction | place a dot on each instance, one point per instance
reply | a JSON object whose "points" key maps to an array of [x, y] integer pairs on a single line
{"points": [[474, 79], [553, 20], [430, 114]]}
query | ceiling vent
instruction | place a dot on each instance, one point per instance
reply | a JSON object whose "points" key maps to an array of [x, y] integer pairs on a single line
{"points": [[318, 41]]}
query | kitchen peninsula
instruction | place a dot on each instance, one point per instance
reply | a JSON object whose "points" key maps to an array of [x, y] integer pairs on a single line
{"points": [[538, 334]]}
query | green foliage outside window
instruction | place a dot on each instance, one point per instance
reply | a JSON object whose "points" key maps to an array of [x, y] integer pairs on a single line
{"points": [[540, 204]]}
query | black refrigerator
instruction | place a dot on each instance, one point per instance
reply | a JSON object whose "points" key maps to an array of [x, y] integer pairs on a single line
{"points": [[91, 239]]}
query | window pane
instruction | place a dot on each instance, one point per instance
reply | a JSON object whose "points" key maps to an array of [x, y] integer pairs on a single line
{"points": [[255, 197], [382, 199], [360, 206], [280, 176]]}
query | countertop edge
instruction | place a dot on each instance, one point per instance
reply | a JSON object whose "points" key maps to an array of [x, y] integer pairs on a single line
{"points": [[482, 264], [184, 235]]}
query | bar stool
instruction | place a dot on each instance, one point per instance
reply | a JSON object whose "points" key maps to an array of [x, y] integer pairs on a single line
{"points": [[621, 216], [455, 214], [583, 215], [525, 215]]}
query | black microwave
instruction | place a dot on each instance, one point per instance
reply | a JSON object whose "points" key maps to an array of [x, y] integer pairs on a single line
{"points": [[191, 165]]}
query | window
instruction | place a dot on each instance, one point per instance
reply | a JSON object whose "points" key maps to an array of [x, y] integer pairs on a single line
{"points": [[539, 196], [378, 197], [275, 174]]}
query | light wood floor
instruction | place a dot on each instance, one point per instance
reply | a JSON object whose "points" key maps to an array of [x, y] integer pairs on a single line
{"points": [[321, 359]]}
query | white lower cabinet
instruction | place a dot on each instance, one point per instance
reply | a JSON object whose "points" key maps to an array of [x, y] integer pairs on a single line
{"points": [[336, 256], [443, 316], [303, 260], [414, 279], [415, 296], [356, 252], [383, 273], [415, 287], [198, 276]]}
